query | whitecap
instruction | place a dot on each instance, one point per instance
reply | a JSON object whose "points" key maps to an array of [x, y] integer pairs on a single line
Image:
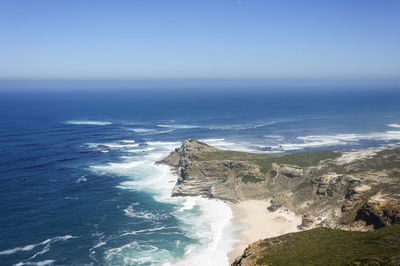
{"points": [[315, 141], [141, 150], [238, 126], [150, 230], [135, 253], [233, 146], [128, 141], [150, 131], [142, 130], [140, 214], [213, 228], [32, 246], [122, 168], [38, 263], [206, 220], [88, 122], [98, 244], [177, 126], [393, 125], [163, 143], [106, 147], [81, 179]]}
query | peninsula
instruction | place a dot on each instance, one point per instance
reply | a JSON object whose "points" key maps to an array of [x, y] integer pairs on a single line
{"points": [[330, 191]]}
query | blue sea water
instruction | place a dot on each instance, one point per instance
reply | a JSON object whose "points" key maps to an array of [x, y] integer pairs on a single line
{"points": [[78, 183]]}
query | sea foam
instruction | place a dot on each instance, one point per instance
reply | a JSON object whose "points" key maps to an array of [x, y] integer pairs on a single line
{"points": [[32, 246], [394, 125], [207, 220], [88, 122]]}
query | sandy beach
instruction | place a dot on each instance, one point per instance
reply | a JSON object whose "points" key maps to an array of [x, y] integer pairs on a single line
{"points": [[256, 222]]}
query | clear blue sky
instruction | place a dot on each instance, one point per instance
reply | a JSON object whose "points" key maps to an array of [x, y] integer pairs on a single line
{"points": [[272, 39]]}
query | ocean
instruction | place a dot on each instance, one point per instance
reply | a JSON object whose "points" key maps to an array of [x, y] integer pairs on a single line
{"points": [[79, 183]]}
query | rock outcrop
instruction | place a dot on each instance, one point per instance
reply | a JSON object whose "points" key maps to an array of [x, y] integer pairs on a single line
{"points": [[352, 191], [380, 210], [332, 189]]}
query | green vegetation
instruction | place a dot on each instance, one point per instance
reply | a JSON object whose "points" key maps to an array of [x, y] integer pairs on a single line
{"points": [[265, 161], [250, 179], [323, 246]]}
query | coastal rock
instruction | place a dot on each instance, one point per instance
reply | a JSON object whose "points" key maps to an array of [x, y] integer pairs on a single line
{"points": [[329, 184], [380, 210], [316, 184], [306, 222], [348, 193], [290, 171]]}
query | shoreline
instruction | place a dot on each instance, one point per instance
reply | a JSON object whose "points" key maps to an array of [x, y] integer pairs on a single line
{"points": [[255, 222]]}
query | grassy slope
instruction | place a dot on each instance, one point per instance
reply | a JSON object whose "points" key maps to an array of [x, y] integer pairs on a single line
{"points": [[265, 161], [323, 246]]}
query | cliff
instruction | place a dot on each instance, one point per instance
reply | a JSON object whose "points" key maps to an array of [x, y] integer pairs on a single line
{"points": [[346, 190], [329, 188]]}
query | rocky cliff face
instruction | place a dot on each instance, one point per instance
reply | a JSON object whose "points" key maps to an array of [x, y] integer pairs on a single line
{"points": [[353, 190], [347, 190]]}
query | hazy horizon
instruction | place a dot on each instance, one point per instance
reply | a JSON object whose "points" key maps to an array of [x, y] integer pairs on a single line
{"points": [[191, 84], [87, 41]]}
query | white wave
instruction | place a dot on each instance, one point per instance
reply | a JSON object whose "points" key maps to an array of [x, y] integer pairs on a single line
{"points": [[81, 179], [128, 141], [142, 130], [393, 125], [150, 230], [32, 246], [44, 250], [314, 141], [233, 146], [238, 126], [150, 131], [130, 212], [163, 143], [179, 126], [141, 150], [189, 204], [106, 147], [39, 263], [136, 254], [123, 168], [98, 244], [214, 230], [88, 122], [206, 220], [274, 137]]}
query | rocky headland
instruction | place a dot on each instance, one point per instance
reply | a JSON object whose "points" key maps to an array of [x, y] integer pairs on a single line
{"points": [[346, 190]]}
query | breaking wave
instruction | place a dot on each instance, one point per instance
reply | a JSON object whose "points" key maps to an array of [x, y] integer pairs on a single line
{"points": [[205, 220], [88, 122], [315, 141], [32, 246], [394, 125]]}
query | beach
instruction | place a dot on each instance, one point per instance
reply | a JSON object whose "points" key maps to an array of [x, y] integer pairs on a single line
{"points": [[255, 222]]}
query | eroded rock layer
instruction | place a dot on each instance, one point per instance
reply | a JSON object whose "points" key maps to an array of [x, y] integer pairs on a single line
{"points": [[352, 190]]}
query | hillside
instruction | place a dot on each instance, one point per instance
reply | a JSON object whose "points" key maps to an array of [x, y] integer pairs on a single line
{"points": [[324, 246], [352, 190]]}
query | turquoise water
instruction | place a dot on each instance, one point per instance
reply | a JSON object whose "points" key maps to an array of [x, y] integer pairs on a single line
{"points": [[78, 179]]}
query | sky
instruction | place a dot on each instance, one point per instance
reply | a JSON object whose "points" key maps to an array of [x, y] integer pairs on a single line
{"points": [[199, 39]]}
